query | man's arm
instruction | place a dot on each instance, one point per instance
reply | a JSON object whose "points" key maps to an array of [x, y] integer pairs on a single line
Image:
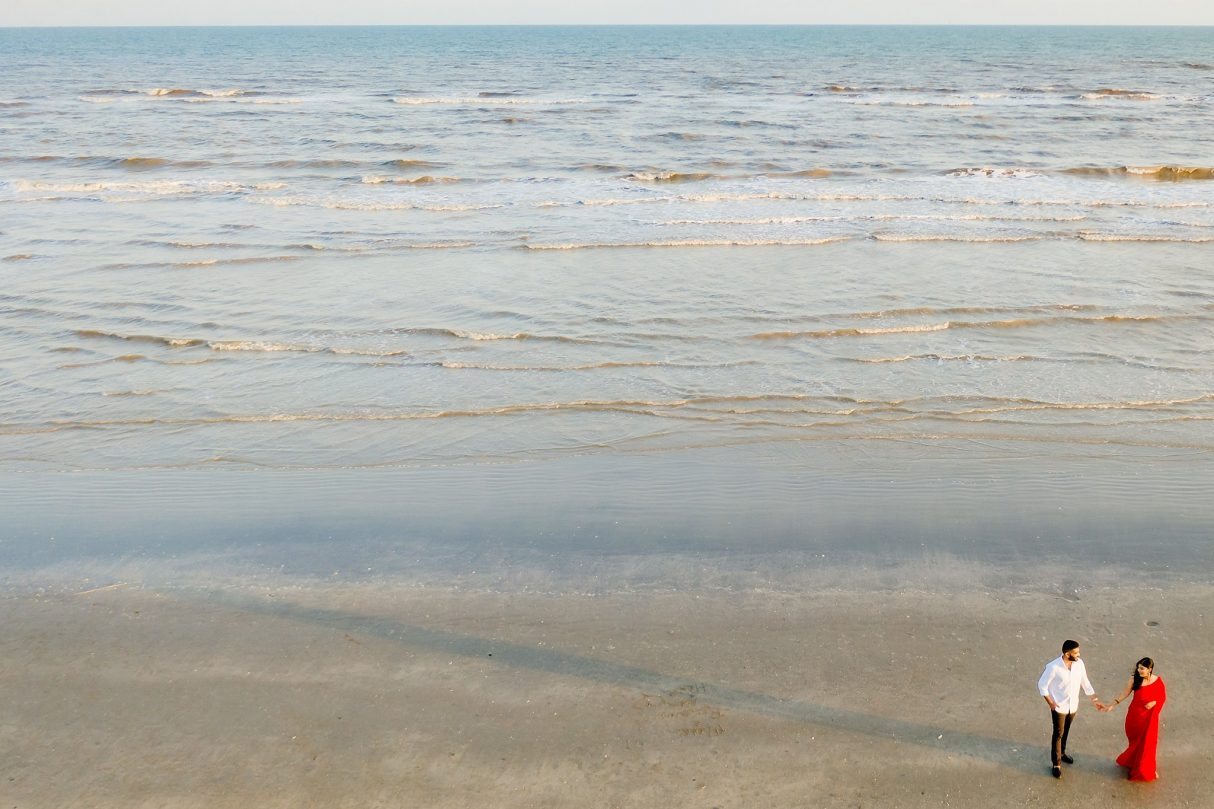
{"points": [[1043, 687], [1091, 692]]}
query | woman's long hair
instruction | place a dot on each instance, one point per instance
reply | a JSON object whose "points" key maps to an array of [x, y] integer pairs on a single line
{"points": [[1146, 661]]}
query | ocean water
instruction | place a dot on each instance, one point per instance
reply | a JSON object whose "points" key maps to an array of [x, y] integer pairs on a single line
{"points": [[588, 290]]}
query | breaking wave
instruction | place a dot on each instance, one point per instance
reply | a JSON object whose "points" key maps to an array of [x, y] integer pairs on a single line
{"points": [[206, 262], [593, 366], [316, 163], [425, 179], [274, 347], [892, 217], [405, 163], [313, 348], [171, 92], [668, 176], [690, 243], [1116, 92], [150, 188], [948, 358], [1143, 238], [135, 163], [910, 101], [1013, 323], [366, 205], [957, 237], [485, 101], [735, 408], [482, 336], [171, 342], [1161, 173], [164, 94], [804, 173], [988, 171]]}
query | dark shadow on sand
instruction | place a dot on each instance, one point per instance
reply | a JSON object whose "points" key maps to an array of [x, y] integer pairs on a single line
{"points": [[1030, 759]]}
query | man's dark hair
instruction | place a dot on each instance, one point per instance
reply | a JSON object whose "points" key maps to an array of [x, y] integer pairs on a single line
{"points": [[1068, 645]]}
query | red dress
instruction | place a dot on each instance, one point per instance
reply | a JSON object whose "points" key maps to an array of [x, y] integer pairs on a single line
{"points": [[1142, 731]]}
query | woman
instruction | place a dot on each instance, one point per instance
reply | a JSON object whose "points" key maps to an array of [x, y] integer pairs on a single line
{"points": [[1142, 720]]}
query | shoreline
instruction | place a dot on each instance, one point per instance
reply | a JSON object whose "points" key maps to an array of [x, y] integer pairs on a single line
{"points": [[786, 517]]}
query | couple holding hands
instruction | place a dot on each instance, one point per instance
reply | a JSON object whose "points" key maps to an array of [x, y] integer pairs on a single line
{"points": [[1060, 684]]}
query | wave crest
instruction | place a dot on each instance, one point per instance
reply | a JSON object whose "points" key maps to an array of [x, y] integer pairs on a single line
{"points": [[668, 176], [1161, 173], [810, 174], [990, 171], [418, 101], [692, 243], [368, 205], [954, 237], [1117, 92], [406, 163], [1011, 323], [149, 188], [171, 342], [425, 179]]}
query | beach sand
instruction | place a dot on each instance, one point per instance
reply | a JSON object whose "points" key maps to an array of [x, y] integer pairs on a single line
{"points": [[381, 695]]}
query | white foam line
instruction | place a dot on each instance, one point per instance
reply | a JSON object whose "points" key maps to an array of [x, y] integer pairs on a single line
{"points": [[691, 243], [505, 102]]}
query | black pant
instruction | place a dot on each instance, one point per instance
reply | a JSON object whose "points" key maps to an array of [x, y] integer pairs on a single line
{"points": [[1062, 727]]}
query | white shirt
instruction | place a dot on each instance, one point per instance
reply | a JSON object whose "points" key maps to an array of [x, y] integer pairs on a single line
{"points": [[1063, 684]]}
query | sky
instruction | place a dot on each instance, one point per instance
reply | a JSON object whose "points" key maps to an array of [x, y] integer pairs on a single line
{"points": [[560, 12]]}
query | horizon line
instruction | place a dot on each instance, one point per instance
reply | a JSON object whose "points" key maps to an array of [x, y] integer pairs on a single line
{"points": [[621, 25]]}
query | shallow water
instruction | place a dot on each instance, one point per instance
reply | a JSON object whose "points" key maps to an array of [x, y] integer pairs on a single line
{"points": [[290, 254], [779, 517], [450, 359]]}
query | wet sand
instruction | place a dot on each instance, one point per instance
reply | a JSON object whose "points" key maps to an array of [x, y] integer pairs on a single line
{"points": [[383, 695]]}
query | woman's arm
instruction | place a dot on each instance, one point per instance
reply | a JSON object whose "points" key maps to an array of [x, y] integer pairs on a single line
{"points": [[1125, 692]]}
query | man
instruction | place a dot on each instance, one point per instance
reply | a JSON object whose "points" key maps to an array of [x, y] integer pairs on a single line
{"points": [[1059, 685]]}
